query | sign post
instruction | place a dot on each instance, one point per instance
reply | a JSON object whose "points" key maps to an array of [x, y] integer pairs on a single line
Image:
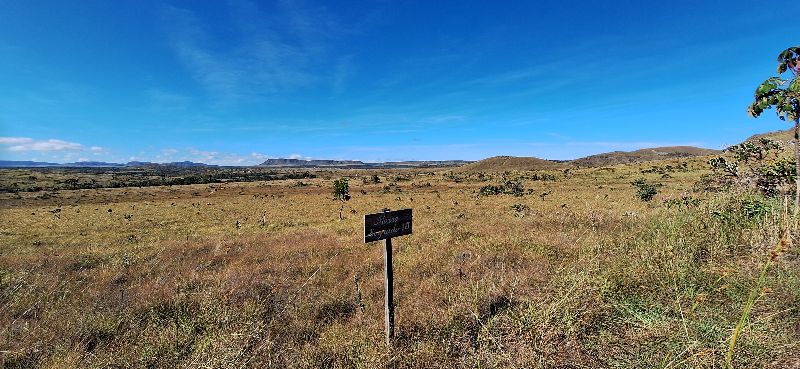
{"points": [[384, 226], [388, 287]]}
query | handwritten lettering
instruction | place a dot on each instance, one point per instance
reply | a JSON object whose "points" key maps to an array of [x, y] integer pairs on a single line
{"points": [[386, 225]]}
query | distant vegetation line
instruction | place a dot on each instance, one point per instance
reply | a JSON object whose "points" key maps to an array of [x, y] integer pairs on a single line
{"points": [[93, 178]]}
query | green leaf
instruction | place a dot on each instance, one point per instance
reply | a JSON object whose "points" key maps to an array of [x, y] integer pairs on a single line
{"points": [[765, 87], [795, 85]]}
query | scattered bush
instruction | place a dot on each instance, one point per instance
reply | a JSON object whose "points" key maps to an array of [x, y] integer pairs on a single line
{"points": [[514, 187], [510, 187], [645, 191], [770, 178], [743, 211], [720, 164], [745, 151], [520, 210], [490, 190]]}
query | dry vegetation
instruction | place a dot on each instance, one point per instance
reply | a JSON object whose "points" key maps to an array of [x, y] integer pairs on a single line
{"points": [[576, 272]]}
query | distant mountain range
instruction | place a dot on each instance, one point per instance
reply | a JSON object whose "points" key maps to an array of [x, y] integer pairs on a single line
{"points": [[355, 164], [97, 164], [270, 163], [296, 163], [497, 163]]}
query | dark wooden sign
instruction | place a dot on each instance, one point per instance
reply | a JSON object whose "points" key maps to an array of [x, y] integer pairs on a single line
{"points": [[380, 226], [384, 226]]}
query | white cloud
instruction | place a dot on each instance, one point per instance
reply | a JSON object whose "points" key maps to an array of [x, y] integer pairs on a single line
{"points": [[259, 156], [168, 155], [19, 144], [298, 156], [14, 140]]}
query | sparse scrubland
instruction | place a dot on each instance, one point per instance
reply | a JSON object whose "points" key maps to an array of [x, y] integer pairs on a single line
{"points": [[569, 269]]}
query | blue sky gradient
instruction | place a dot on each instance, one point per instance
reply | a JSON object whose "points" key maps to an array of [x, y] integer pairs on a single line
{"points": [[237, 82]]}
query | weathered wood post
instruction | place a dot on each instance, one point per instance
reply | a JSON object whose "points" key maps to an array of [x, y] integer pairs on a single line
{"points": [[388, 285], [384, 226]]}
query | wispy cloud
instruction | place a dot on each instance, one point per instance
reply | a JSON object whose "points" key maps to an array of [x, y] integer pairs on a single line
{"points": [[269, 53], [214, 157], [26, 148], [29, 144]]}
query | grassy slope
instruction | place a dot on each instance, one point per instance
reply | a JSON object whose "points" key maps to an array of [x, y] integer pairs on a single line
{"points": [[650, 154], [264, 275], [782, 136], [509, 163]]}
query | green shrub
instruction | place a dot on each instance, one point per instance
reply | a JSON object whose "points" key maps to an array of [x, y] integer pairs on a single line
{"points": [[645, 191], [341, 189], [490, 190], [510, 187], [770, 178], [514, 187]]}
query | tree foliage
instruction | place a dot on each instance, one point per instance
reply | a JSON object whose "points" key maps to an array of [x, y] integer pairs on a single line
{"points": [[754, 150], [755, 164], [781, 94], [341, 189]]}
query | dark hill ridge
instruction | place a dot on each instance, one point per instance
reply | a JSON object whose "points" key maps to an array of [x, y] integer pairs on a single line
{"points": [[642, 155]]}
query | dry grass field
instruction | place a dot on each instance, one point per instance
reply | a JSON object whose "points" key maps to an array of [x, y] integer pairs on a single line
{"points": [[577, 272]]}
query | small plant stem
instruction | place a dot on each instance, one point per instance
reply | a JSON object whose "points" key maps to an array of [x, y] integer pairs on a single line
{"points": [[751, 300]]}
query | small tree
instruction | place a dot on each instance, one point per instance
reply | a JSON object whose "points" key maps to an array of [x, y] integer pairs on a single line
{"points": [[784, 96], [341, 189]]}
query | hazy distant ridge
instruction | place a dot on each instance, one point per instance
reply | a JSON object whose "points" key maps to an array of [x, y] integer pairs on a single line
{"points": [[497, 163], [294, 163], [96, 164], [300, 163]]}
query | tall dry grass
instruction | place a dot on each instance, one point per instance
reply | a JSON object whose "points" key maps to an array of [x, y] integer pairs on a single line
{"points": [[587, 276]]}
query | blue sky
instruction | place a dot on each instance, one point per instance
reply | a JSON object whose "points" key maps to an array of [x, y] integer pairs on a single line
{"points": [[238, 82]]}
